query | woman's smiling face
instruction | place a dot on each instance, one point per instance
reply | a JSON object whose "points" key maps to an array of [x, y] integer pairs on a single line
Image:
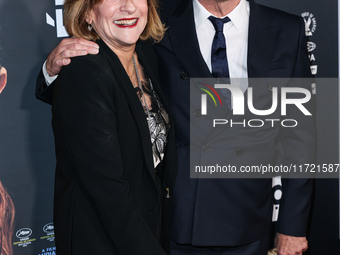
{"points": [[119, 23]]}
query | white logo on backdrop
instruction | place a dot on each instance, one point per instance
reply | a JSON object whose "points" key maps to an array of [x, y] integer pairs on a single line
{"points": [[310, 27], [23, 233], [311, 46], [314, 69], [310, 22], [58, 23], [312, 57]]}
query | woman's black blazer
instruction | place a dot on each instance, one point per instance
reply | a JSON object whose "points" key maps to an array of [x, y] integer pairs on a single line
{"points": [[106, 197]]}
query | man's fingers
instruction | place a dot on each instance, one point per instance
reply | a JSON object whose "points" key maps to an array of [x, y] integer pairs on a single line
{"points": [[74, 50], [58, 64], [78, 44], [66, 61], [305, 247], [72, 53], [73, 47], [93, 51], [84, 42], [82, 48], [78, 41], [290, 245], [67, 49]]}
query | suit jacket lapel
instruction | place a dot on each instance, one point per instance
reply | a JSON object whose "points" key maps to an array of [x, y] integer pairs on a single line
{"points": [[182, 34], [261, 41], [134, 103]]}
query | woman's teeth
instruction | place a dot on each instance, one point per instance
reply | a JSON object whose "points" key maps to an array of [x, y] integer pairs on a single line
{"points": [[125, 22]]}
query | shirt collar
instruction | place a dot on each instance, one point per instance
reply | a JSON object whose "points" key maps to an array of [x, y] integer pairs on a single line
{"points": [[236, 16]]}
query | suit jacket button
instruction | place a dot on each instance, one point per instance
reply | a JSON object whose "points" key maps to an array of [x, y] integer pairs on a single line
{"points": [[184, 75], [206, 148], [239, 152]]}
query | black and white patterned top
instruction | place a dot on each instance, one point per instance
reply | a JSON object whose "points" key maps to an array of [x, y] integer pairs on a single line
{"points": [[158, 121]]}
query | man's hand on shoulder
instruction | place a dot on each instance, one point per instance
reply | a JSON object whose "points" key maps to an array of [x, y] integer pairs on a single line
{"points": [[66, 49], [290, 245]]}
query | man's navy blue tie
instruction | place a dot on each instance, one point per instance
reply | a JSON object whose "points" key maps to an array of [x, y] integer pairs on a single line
{"points": [[219, 61]]}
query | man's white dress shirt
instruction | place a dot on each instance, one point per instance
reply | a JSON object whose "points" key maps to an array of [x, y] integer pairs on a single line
{"points": [[235, 33]]}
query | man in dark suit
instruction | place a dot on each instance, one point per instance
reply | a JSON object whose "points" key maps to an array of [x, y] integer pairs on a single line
{"points": [[235, 216]]}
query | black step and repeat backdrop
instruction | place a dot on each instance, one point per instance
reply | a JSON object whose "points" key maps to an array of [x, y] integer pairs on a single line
{"points": [[30, 29]]}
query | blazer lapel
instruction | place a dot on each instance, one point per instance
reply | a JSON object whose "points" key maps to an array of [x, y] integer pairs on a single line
{"points": [[182, 34], [169, 165], [135, 105], [261, 41]]}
